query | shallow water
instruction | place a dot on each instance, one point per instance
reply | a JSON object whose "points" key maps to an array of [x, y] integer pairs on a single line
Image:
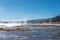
{"points": [[33, 33]]}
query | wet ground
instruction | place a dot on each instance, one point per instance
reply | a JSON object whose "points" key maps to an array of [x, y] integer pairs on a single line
{"points": [[33, 33]]}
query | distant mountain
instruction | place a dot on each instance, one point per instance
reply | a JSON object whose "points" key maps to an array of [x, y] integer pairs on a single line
{"points": [[56, 19], [52, 20]]}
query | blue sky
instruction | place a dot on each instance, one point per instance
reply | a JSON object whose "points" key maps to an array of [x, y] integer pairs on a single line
{"points": [[28, 9]]}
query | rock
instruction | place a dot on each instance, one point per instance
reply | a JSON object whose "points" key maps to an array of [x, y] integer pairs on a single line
{"points": [[59, 33]]}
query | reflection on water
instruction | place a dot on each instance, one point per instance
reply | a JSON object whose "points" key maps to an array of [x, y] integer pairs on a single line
{"points": [[33, 33]]}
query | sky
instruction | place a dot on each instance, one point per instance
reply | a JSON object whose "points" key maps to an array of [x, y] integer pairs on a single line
{"points": [[18, 10]]}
